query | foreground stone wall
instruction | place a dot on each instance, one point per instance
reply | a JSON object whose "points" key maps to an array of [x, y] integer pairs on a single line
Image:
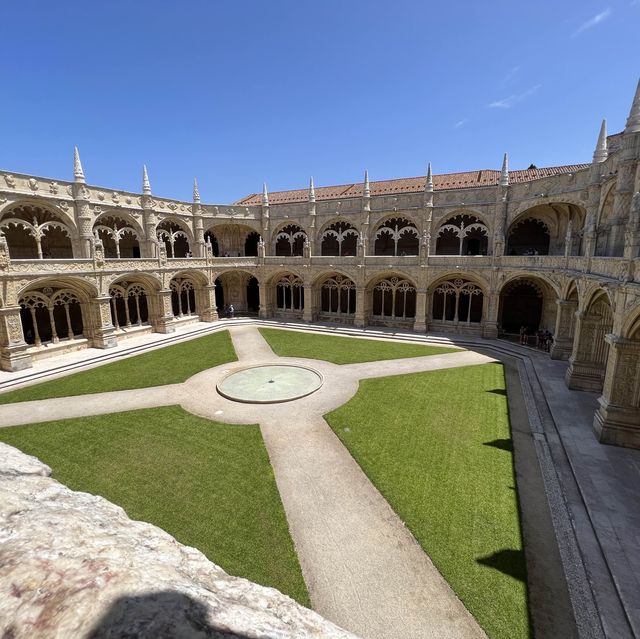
{"points": [[74, 565]]}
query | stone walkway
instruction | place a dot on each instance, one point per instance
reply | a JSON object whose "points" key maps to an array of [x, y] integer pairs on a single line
{"points": [[363, 568]]}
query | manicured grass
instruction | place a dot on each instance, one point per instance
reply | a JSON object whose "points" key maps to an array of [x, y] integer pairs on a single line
{"points": [[343, 350], [438, 447], [209, 485], [168, 365]]}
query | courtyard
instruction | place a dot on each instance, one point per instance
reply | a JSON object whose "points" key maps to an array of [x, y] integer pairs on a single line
{"points": [[394, 481]]}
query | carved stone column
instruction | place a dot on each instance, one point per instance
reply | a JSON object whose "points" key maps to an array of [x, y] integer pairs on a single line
{"points": [[309, 310], [360, 319], [164, 322], [617, 420], [206, 304], [587, 363], [420, 324], [565, 329], [266, 310], [104, 331], [150, 223], [13, 348], [84, 219], [490, 315]]}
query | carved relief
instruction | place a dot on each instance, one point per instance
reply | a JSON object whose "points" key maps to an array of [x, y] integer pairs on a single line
{"points": [[54, 188], [14, 329], [10, 180]]}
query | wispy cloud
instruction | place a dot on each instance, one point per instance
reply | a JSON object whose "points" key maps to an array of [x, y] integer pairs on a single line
{"points": [[592, 22], [460, 123], [515, 70], [512, 100]]}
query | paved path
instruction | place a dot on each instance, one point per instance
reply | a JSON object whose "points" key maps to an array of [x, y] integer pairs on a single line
{"points": [[363, 568]]}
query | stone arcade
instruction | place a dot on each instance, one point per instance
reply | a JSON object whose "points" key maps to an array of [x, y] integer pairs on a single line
{"points": [[477, 253]]}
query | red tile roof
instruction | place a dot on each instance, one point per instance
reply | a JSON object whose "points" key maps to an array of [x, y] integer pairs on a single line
{"points": [[468, 179]]}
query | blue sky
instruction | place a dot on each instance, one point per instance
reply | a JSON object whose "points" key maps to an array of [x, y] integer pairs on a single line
{"points": [[240, 92]]}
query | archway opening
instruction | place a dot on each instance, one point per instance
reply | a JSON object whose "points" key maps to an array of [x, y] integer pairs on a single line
{"points": [[398, 237], [174, 237], [393, 300], [50, 315], [119, 238], [253, 295], [462, 235], [529, 237], [251, 244], [290, 241], [338, 296], [129, 305], [33, 232], [183, 297], [339, 239], [457, 301], [522, 305]]}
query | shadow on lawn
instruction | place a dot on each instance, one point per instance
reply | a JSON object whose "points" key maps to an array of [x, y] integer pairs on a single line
{"points": [[502, 444], [158, 614], [510, 562]]}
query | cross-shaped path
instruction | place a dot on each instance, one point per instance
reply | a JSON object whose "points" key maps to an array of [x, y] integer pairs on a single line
{"points": [[363, 568]]}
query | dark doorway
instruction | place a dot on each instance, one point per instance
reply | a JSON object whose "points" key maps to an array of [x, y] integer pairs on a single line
{"points": [[521, 306], [253, 295], [219, 295]]}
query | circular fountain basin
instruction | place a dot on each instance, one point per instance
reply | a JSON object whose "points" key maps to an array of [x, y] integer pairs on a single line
{"points": [[269, 384]]}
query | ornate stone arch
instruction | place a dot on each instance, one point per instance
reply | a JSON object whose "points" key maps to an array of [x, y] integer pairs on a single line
{"points": [[289, 236], [338, 237], [120, 238], [456, 212], [457, 300], [124, 215], [392, 298], [466, 234], [63, 211], [53, 309], [176, 235], [36, 231], [184, 225], [527, 300], [396, 235]]}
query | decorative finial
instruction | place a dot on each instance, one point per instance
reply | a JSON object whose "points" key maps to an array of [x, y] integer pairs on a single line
{"points": [[78, 174], [428, 187], [312, 191], [504, 175], [633, 121], [196, 191], [265, 195], [366, 192], [146, 185], [600, 154]]}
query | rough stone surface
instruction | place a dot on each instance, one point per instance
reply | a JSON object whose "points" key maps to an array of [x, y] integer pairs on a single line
{"points": [[74, 565]]}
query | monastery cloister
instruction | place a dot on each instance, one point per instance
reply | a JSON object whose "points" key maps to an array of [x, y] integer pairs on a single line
{"points": [[478, 253]]}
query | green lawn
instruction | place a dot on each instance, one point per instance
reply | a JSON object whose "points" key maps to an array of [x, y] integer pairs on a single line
{"points": [[209, 485], [438, 447], [343, 350], [168, 365]]}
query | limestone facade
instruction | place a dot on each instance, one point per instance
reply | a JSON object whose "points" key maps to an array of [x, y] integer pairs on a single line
{"points": [[480, 253]]}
